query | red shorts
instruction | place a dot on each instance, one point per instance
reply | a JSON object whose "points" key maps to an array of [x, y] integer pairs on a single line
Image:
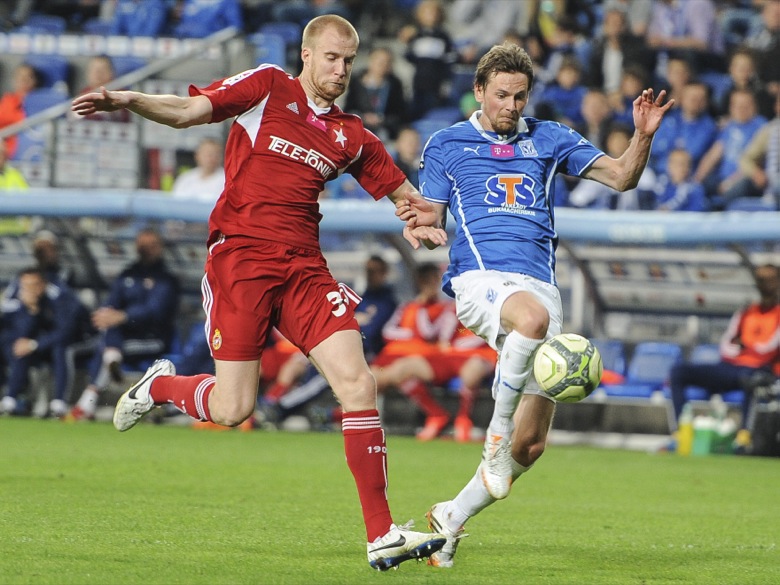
{"points": [[252, 285]]}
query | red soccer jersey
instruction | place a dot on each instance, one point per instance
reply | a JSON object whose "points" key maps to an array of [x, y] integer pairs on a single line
{"points": [[281, 151]]}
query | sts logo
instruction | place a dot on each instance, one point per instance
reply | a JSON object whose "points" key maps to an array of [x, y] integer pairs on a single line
{"points": [[510, 190]]}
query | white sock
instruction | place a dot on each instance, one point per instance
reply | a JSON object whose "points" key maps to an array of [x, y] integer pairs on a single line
{"points": [[474, 498], [515, 366], [471, 500]]}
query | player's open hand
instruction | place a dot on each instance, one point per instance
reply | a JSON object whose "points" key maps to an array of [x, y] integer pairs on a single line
{"points": [[430, 237], [101, 100], [649, 111]]}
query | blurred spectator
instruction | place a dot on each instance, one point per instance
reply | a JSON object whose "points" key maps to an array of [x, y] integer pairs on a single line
{"points": [[25, 79], [201, 18], [594, 195], [430, 50], [688, 29], [377, 305], [75, 12], [637, 13], [477, 25], [137, 321], [634, 80], [749, 345], [688, 127], [760, 165], [565, 95], [38, 324], [139, 18], [566, 44], [719, 168], [676, 190], [377, 95], [765, 41], [15, 13], [407, 153], [206, 180], [677, 74], [596, 116], [616, 49], [743, 76], [99, 72], [10, 178]]}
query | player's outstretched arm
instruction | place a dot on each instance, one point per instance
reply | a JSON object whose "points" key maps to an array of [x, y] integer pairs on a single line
{"points": [[623, 173], [417, 212], [171, 110]]}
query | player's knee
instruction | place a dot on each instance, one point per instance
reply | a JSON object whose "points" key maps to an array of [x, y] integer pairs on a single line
{"points": [[358, 393], [231, 414]]}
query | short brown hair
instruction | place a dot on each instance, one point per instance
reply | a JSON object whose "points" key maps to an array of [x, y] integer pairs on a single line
{"points": [[316, 25], [506, 58]]}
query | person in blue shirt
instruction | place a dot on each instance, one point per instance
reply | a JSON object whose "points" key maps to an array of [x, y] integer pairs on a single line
{"points": [[39, 322], [139, 18], [676, 190], [493, 172], [137, 321], [690, 127], [201, 18]]}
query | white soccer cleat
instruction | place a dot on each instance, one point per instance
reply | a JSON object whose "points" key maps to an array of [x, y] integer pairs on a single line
{"points": [[137, 401], [496, 466], [437, 521], [402, 544]]}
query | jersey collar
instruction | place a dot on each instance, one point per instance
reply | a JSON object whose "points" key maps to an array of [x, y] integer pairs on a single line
{"points": [[521, 128]]}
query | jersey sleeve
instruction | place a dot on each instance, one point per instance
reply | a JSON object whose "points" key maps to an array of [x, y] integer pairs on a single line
{"points": [[575, 153], [375, 169], [237, 94], [434, 183]]}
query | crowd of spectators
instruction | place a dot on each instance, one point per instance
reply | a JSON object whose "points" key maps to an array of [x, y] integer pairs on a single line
{"points": [[716, 58]]}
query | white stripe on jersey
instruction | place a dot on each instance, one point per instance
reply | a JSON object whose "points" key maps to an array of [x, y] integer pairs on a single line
{"points": [[464, 225], [251, 119]]}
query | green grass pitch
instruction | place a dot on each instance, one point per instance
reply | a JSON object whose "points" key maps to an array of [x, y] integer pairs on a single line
{"points": [[83, 504]]}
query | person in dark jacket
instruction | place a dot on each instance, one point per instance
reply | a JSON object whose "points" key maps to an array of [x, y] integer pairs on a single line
{"points": [[38, 324], [137, 322]]}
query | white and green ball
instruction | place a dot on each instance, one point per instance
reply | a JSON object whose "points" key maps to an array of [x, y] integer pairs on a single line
{"points": [[568, 367]]}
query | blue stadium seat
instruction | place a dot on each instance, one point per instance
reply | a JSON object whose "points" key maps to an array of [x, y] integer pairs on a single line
{"points": [[30, 146], [41, 99], [126, 64], [719, 83], [43, 23], [751, 204], [425, 127], [96, 26], [704, 353], [290, 32], [53, 70], [269, 48], [613, 354], [648, 370]]}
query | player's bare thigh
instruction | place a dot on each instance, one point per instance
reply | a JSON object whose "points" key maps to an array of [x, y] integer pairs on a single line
{"points": [[533, 419], [340, 359], [234, 396]]}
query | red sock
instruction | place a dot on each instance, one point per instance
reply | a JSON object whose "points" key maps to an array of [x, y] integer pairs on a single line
{"points": [[466, 405], [190, 394], [275, 392], [364, 445], [421, 396], [337, 414]]}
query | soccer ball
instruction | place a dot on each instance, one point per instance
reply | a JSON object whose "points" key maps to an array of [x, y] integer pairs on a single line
{"points": [[568, 367]]}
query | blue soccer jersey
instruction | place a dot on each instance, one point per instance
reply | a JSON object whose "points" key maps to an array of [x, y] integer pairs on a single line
{"points": [[499, 192]]}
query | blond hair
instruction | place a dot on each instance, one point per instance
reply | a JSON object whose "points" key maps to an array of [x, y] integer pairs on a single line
{"points": [[317, 25]]}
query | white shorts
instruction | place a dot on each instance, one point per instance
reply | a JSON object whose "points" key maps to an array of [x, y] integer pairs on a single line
{"points": [[480, 294]]}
